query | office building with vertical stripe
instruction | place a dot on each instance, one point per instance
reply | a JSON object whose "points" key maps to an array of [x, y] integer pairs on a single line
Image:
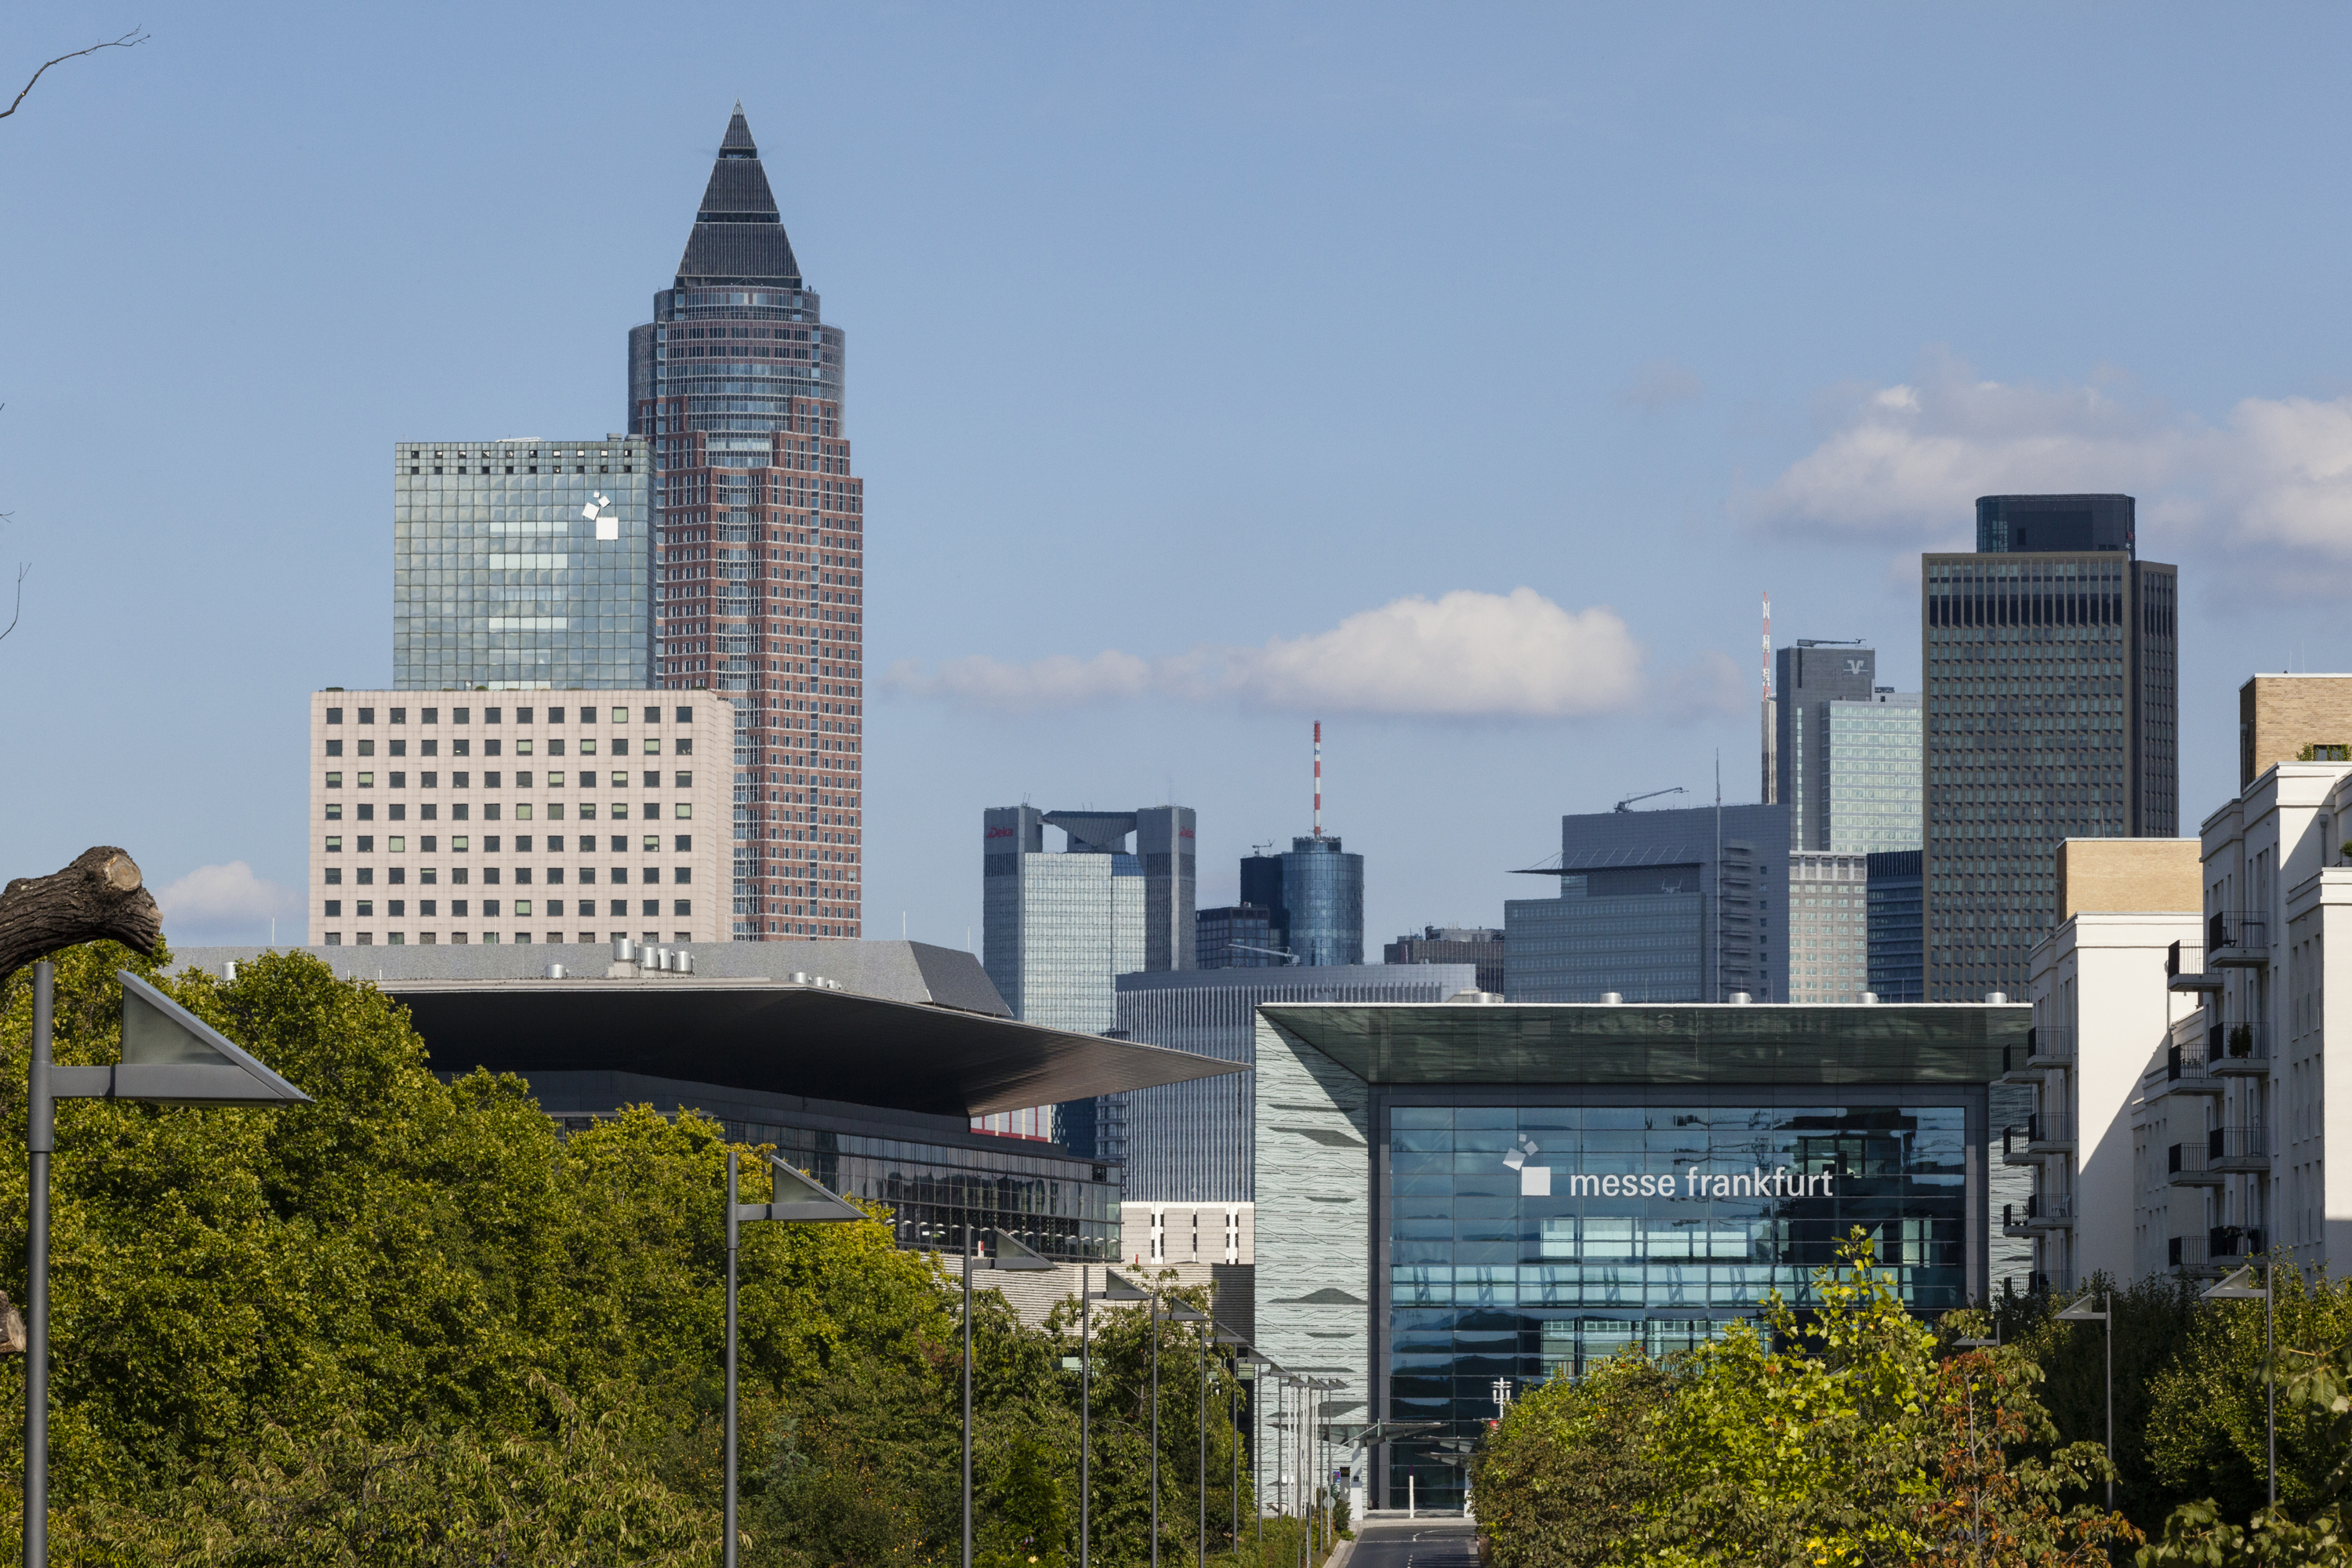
{"points": [[761, 538], [1197, 1148], [2053, 705]]}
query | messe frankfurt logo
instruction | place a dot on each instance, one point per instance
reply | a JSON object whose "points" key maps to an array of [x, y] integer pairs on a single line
{"points": [[600, 513], [1534, 1181]]}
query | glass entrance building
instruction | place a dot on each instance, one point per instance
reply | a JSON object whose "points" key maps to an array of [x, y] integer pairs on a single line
{"points": [[1456, 1203]]}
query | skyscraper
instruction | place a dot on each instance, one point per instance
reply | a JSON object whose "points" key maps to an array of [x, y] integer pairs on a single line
{"points": [[1657, 906], [1847, 752], [760, 531], [520, 565], [1056, 929], [2050, 659]]}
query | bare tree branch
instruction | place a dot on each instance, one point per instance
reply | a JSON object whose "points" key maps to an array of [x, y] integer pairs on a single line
{"points": [[24, 568], [131, 40]]}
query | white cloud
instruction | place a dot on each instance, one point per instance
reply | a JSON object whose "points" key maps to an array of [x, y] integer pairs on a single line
{"points": [[1462, 654], [2267, 492], [1660, 383], [223, 900]]}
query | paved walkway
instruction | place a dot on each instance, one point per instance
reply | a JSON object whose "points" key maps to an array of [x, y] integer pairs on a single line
{"points": [[1415, 1543]]}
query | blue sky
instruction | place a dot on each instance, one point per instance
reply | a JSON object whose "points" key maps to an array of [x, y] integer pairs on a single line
{"points": [[1188, 349]]}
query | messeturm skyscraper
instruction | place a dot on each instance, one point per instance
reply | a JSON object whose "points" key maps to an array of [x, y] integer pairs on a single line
{"points": [[760, 541], [2052, 663]]}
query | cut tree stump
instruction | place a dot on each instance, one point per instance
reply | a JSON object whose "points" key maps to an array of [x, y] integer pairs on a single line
{"points": [[100, 896]]}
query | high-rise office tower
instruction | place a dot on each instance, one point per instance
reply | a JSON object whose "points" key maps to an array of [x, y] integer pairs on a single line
{"points": [[2051, 657], [1895, 928], [1313, 896], [760, 532], [520, 565], [1056, 929], [1846, 755], [1657, 906]]}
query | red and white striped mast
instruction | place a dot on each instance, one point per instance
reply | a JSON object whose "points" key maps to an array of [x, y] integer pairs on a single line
{"points": [[1318, 778]]}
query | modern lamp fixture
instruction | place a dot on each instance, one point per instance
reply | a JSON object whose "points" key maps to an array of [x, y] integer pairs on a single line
{"points": [[1012, 1255], [170, 1056], [797, 1200], [2080, 1312], [2241, 1286]]}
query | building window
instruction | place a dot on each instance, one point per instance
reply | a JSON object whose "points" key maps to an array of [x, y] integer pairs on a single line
{"points": [[681, 909], [334, 781], [685, 809], [682, 874], [335, 715], [653, 908], [335, 748]]}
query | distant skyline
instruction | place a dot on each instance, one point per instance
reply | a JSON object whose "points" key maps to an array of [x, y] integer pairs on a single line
{"points": [[1459, 383]]}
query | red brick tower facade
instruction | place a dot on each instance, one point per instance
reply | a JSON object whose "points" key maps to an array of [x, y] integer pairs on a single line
{"points": [[759, 535]]}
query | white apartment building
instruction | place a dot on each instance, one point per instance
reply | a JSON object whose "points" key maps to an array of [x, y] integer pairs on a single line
{"points": [[2102, 1010], [2213, 1052], [518, 817]]}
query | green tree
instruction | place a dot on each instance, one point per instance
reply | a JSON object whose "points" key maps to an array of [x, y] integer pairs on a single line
{"points": [[1566, 1478], [1840, 1437]]}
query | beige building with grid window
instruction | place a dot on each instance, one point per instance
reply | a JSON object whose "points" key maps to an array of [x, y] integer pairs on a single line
{"points": [[471, 817]]}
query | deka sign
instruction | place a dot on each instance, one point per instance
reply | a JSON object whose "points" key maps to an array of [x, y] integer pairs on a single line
{"points": [[1534, 1181]]}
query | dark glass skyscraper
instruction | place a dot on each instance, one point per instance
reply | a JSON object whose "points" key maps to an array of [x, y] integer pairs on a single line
{"points": [[760, 539], [2052, 664]]}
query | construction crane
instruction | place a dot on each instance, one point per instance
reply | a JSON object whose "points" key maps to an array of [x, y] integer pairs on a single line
{"points": [[1653, 794]]}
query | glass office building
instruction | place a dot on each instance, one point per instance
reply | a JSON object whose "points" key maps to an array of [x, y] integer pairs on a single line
{"points": [[1873, 784], [521, 566], [1894, 926], [1454, 1202], [2052, 704]]}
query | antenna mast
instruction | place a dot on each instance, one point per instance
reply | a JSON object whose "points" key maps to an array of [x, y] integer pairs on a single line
{"points": [[1771, 791], [1318, 778]]}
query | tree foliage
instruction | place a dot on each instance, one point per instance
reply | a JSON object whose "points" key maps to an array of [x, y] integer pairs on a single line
{"points": [[1839, 1437], [413, 1323]]}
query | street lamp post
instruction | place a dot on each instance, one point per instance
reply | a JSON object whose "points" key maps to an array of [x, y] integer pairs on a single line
{"points": [[170, 1056], [1237, 1348], [1012, 1255], [1179, 1312], [1114, 1289], [2241, 1286], [793, 1198], [2080, 1312]]}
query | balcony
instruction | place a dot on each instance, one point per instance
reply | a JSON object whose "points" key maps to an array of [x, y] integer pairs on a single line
{"points": [[2053, 1282], [2045, 1047], [2049, 1046], [2043, 1133], [2227, 1246], [2238, 1050], [2041, 1211], [2238, 1149], [2237, 940], [2186, 1072], [2186, 1165], [2191, 1254]]}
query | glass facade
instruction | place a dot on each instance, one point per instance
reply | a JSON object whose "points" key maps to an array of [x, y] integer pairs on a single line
{"points": [[1873, 774], [1893, 880], [519, 565], [1526, 1239], [2051, 706], [1064, 1208], [1647, 946], [1323, 903]]}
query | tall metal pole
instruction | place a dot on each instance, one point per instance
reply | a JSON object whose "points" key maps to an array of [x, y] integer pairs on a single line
{"points": [[1086, 1409], [1257, 1463], [40, 1138], [967, 1392], [1155, 1429], [733, 1235], [2110, 1306], [1233, 1420], [1201, 1546], [2270, 1374]]}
